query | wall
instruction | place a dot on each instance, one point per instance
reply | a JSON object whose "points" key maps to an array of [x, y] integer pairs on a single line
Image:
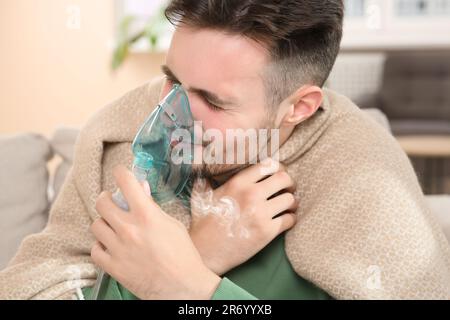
{"points": [[54, 73]]}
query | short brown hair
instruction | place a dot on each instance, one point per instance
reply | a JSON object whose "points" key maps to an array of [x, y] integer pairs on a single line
{"points": [[302, 36]]}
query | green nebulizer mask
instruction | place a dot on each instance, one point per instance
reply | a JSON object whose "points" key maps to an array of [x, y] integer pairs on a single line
{"points": [[160, 157]]}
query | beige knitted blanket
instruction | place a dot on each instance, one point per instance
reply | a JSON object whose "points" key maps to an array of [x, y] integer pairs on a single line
{"points": [[364, 230]]}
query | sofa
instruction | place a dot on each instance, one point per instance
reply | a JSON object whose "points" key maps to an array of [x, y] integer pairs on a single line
{"points": [[29, 187], [414, 93]]}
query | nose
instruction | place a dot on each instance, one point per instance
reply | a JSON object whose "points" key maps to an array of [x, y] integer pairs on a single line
{"points": [[195, 113], [193, 106], [165, 90]]}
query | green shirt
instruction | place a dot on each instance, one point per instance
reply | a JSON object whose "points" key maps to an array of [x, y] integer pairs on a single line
{"points": [[267, 275]]}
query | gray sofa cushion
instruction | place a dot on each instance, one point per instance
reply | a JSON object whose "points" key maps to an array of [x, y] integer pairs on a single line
{"points": [[23, 183], [416, 86], [63, 144]]}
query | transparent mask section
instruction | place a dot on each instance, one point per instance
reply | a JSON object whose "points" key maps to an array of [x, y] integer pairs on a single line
{"points": [[161, 145]]}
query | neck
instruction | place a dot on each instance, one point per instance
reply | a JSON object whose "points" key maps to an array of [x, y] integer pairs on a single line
{"points": [[285, 133]]}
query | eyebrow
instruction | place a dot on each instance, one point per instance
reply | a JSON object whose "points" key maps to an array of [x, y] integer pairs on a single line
{"points": [[210, 96]]}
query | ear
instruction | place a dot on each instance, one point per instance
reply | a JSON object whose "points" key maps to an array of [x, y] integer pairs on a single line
{"points": [[302, 105]]}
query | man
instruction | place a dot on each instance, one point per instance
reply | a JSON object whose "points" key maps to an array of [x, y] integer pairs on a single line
{"points": [[356, 221]]}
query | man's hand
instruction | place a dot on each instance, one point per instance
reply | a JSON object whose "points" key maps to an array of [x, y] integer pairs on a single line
{"points": [[146, 250], [235, 221]]}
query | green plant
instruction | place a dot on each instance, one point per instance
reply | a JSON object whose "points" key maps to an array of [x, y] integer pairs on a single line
{"points": [[152, 32]]}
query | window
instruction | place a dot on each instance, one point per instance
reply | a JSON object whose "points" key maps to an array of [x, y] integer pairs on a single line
{"points": [[396, 24], [355, 8], [426, 8], [369, 24], [145, 15]]}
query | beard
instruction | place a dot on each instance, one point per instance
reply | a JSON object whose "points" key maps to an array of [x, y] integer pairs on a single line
{"points": [[223, 171], [210, 171]]}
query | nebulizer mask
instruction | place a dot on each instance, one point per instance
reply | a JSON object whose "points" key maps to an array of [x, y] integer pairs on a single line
{"points": [[158, 158]]}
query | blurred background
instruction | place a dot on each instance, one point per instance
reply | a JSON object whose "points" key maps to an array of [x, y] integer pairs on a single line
{"points": [[62, 60]]}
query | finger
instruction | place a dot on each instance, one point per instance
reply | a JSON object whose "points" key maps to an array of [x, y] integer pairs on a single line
{"points": [[131, 188], [284, 202], [275, 183], [146, 187], [260, 170], [100, 257], [108, 210], [104, 234], [284, 222], [269, 166]]}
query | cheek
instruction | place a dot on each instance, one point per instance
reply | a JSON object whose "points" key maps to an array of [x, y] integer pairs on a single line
{"points": [[215, 122], [210, 119]]}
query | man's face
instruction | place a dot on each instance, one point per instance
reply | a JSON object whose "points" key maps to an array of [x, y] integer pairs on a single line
{"points": [[222, 76]]}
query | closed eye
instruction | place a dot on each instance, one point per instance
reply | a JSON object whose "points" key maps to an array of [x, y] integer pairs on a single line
{"points": [[172, 80], [210, 105]]}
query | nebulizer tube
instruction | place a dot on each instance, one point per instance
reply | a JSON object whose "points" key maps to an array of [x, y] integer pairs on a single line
{"points": [[153, 148]]}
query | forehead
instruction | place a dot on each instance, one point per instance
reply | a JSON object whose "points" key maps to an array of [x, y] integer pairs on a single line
{"points": [[214, 60]]}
